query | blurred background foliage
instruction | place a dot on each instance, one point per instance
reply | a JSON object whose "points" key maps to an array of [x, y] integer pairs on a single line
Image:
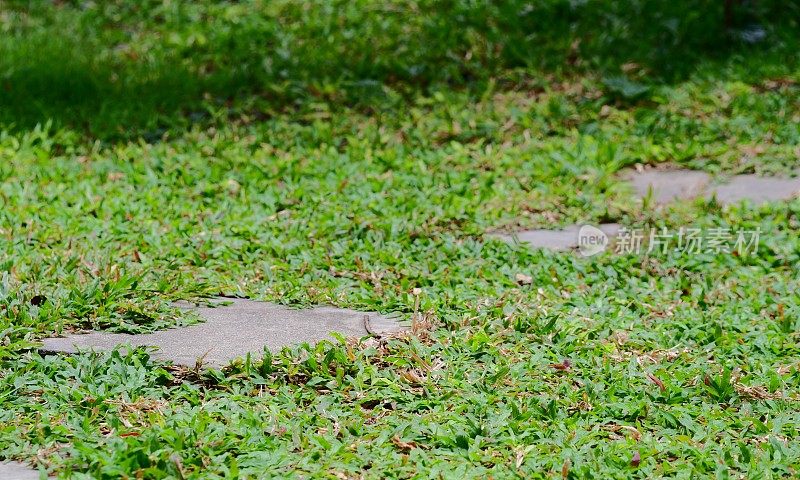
{"points": [[114, 68]]}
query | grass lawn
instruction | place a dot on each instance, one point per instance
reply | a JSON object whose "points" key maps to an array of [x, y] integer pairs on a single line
{"points": [[359, 154]]}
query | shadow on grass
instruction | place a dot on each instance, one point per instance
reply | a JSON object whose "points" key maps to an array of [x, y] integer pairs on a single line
{"points": [[127, 70]]}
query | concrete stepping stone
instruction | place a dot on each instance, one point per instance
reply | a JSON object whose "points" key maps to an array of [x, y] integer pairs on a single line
{"points": [[756, 189], [17, 471], [669, 185], [233, 331], [565, 239]]}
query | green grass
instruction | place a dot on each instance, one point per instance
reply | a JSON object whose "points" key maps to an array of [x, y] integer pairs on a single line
{"points": [[147, 155]]}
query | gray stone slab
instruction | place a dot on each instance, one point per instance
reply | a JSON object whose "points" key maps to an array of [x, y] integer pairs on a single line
{"points": [[564, 239], [756, 189], [669, 185], [17, 471], [232, 331]]}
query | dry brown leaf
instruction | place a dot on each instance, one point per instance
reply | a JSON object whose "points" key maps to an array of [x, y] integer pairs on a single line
{"points": [[756, 393], [404, 446], [657, 381], [523, 279]]}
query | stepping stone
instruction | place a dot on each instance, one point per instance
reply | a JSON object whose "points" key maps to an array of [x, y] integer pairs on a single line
{"points": [[756, 189], [666, 186], [17, 471], [565, 239], [233, 331], [669, 185]]}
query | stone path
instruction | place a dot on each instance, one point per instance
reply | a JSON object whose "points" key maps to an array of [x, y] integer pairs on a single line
{"points": [[247, 326], [232, 331], [667, 186], [565, 239], [670, 185], [756, 189], [17, 471]]}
